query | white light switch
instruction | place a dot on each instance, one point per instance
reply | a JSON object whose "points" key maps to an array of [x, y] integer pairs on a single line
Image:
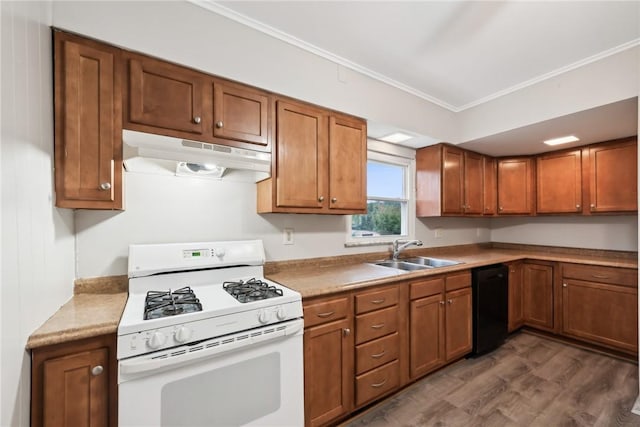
{"points": [[287, 236], [438, 233]]}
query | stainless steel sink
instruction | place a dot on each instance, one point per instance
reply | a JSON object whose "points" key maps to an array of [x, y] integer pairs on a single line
{"points": [[401, 265], [431, 262]]}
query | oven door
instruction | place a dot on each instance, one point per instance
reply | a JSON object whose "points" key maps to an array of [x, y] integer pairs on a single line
{"points": [[250, 378]]}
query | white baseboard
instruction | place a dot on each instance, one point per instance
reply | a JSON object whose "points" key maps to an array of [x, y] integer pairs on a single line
{"points": [[636, 406]]}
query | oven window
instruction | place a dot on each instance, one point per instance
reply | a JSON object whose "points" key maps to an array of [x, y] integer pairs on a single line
{"points": [[231, 395]]}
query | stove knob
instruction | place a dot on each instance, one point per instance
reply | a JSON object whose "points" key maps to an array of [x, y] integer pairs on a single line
{"points": [[182, 334], [264, 316], [156, 340], [281, 313], [220, 252]]}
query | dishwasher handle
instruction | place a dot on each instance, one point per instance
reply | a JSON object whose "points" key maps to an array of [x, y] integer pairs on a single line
{"points": [[145, 364]]}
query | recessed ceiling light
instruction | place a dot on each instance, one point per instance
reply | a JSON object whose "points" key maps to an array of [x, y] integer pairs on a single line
{"points": [[561, 140], [396, 137]]}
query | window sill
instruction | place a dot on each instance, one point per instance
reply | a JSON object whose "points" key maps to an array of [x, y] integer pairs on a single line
{"points": [[355, 244]]}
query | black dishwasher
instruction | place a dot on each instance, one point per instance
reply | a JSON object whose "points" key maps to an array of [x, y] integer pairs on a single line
{"points": [[490, 287]]}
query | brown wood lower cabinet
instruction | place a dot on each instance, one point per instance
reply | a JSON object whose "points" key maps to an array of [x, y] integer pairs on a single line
{"points": [[516, 316], [538, 295], [75, 384], [328, 361], [600, 305], [440, 322]]}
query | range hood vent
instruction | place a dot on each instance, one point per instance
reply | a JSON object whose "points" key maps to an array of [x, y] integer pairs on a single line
{"points": [[146, 145]]}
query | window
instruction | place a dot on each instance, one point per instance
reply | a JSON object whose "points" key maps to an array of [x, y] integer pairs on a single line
{"points": [[389, 208]]}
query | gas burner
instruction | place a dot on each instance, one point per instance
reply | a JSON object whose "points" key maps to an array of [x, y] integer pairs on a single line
{"points": [[169, 303], [251, 290]]}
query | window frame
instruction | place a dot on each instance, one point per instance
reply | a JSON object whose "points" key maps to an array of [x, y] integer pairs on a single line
{"points": [[405, 158]]}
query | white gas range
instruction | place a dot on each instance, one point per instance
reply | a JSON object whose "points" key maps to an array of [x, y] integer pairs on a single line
{"points": [[204, 336]]}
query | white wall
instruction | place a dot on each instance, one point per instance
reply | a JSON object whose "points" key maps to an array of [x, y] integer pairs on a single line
{"points": [[602, 232], [37, 239]]}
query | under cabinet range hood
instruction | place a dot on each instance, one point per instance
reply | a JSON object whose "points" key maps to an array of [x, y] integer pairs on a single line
{"points": [[152, 146]]}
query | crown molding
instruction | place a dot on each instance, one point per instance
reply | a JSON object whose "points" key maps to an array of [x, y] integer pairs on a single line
{"points": [[287, 38]]}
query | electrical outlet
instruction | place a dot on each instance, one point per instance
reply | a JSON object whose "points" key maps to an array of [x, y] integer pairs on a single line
{"points": [[287, 236], [438, 232]]}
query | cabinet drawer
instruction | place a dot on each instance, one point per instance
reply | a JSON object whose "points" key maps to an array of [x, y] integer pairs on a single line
{"points": [[375, 300], [426, 288], [377, 382], [458, 281], [592, 273], [376, 324], [325, 311], [376, 353]]}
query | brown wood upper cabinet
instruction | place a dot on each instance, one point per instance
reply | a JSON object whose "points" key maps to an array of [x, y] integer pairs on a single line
{"points": [[240, 113], [88, 131], [490, 188], [559, 182], [516, 186], [450, 181], [613, 176], [75, 384], [166, 98], [319, 162], [172, 100]]}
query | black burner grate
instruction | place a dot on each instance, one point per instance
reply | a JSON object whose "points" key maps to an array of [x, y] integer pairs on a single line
{"points": [[169, 303], [251, 290]]}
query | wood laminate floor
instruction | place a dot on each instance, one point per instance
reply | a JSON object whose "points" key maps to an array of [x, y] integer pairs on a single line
{"points": [[529, 381]]}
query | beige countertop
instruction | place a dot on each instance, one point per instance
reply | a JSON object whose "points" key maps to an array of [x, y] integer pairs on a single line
{"points": [[321, 279], [94, 310], [97, 304]]}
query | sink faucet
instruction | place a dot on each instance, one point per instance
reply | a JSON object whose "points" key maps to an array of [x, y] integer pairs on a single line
{"points": [[400, 244]]}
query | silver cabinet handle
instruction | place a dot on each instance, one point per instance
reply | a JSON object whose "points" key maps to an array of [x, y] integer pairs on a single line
{"points": [[97, 370], [334, 199], [380, 326], [600, 276], [346, 332], [378, 301], [379, 355], [197, 120], [378, 385], [105, 186], [321, 199], [327, 314], [219, 124], [441, 302], [450, 301]]}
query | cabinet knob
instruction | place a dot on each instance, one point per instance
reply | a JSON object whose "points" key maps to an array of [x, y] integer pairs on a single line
{"points": [[97, 370], [334, 199], [105, 186], [564, 285], [441, 302], [346, 332], [500, 208], [197, 120], [450, 301], [219, 124], [593, 206], [321, 199], [578, 207]]}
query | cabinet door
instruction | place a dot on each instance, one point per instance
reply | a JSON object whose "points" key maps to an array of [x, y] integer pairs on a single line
{"points": [[538, 295], [559, 182], [489, 185], [240, 113], [601, 313], [75, 383], [515, 186], [452, 180], [301, 156], [426, 337], [347, 164], [166, 97], [73, 394], [328, 372], [459, 335], [473, 178], [516, 318], [614, 177], [88, 131]]}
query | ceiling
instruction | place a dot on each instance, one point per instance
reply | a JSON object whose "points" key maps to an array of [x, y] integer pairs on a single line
{"points": [[457, 54]]}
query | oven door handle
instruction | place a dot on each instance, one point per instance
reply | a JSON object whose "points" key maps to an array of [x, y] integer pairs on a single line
{"points": [[146, 364]]}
